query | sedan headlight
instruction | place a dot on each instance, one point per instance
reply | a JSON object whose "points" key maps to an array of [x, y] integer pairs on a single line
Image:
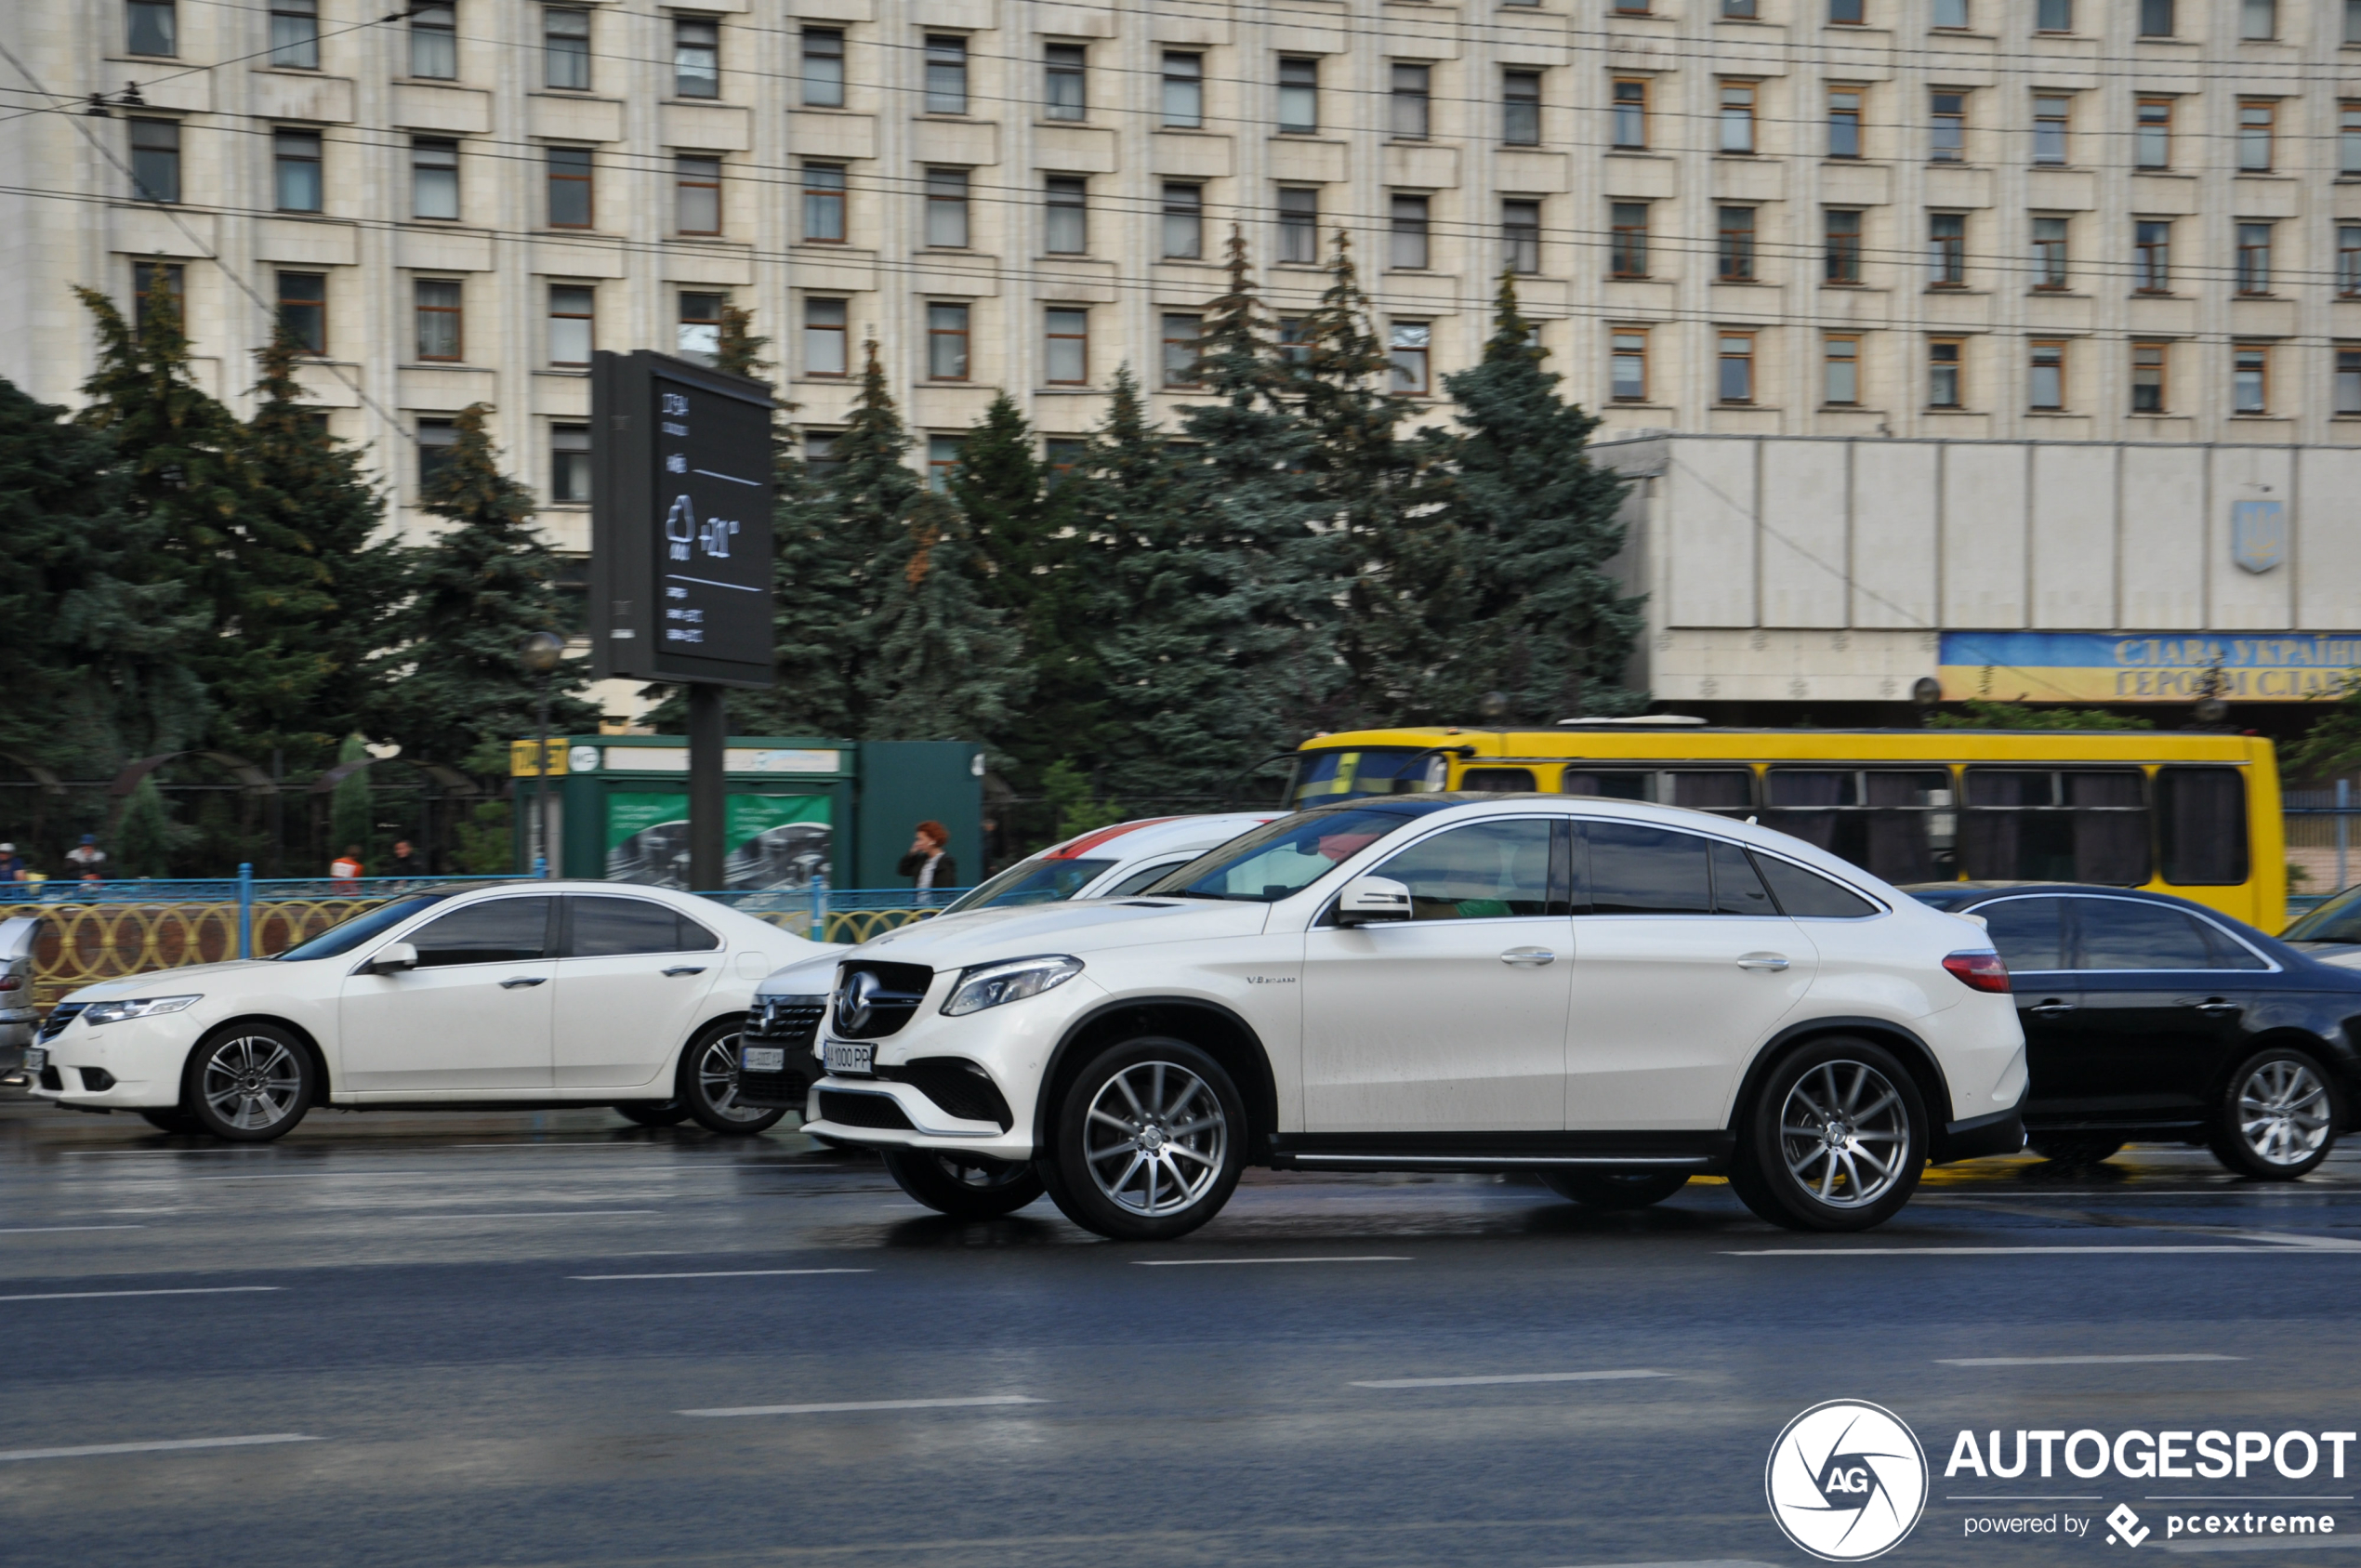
{"points": [[988, 985], [138, 1007]]}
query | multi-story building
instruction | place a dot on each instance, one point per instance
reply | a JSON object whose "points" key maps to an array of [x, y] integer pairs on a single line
{"points": [[2020, 222]]}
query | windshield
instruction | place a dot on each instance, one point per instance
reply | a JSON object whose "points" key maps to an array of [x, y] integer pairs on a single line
{"points": [[1329, 777], [1281, 857], [343, 939], [1033, 881], [2337, 921]]}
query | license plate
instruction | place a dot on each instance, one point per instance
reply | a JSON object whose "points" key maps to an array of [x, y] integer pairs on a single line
{"points": [[845, 1057], [36, 1058], [763, 1059]]}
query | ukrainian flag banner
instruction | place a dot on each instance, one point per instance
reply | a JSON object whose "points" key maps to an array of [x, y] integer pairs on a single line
{"points": [[2145, 667]]}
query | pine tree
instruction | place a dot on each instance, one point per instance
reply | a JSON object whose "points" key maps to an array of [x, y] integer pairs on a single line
{"points": [[351, 811], [450, 681], [1546, 626], [146, 838], [945, 666]]}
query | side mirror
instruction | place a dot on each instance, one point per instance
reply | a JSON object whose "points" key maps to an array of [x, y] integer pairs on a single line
{"points": [[393, 956], [1366, 900]]}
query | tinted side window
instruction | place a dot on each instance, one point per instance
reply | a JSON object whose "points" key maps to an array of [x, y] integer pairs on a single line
{"points": [[2229, 954], [1737, 888], [1809, 895], [2030, 933], [502, 932], [1140, 879], [2201, 826], [606, 928], [1483, 871], [2120, 934], [1636, 870]]}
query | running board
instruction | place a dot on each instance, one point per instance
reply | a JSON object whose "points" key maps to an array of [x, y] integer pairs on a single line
{"points": [[1502, 1152]]}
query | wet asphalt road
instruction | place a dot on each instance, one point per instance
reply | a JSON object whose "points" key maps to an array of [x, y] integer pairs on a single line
{"points": [[521, 1339]]}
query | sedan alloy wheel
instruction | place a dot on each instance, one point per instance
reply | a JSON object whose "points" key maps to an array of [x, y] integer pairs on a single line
{"points": [[250, 1083], [2279, 1119], [709, 1085]]}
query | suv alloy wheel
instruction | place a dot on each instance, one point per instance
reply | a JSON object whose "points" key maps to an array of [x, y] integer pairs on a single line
{"points": [[2278, 1117], [1148, 1141], [1835, 1140]]}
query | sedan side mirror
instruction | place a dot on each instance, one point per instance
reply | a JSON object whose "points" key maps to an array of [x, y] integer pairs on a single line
{"points": [[392, 956], [1366, 900]]}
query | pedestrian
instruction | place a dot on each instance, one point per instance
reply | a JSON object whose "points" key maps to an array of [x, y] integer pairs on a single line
{"points": [[406, 861], [345, 869], [930, 860], [12, 867], [85, 859]]}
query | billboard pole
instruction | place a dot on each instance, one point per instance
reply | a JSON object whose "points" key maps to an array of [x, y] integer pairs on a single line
{"points": [[709, 741]]}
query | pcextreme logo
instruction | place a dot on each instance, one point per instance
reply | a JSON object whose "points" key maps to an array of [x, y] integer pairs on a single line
{"points": [[1847, 1480]]}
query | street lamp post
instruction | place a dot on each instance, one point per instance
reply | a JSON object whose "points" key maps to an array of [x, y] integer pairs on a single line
{"points": [[540, 655]]}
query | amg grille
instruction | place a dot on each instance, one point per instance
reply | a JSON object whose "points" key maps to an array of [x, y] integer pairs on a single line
{"points": [[792, 1022], [861, 1110], [959, 1086], [60, 1016], [875, 999]]}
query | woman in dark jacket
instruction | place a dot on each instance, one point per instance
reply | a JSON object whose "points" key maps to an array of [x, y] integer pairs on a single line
{"points": [[930, 862]]}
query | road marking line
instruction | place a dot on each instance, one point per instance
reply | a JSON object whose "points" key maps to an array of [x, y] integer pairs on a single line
{"points": [[722, 1275], [1196, 1263], [98, 1448], [871, 1404], [2070, 1361], [537, 1214], [1997, 1251], [1715, 1563], [50, 1229], [1506, 1377], [193, 1290]]}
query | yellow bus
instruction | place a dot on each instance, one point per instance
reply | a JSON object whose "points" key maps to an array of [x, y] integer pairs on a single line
{"points": [[2187, 814]]}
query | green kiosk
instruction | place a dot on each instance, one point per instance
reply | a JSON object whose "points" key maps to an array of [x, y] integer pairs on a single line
{"points": [[617, 808]]}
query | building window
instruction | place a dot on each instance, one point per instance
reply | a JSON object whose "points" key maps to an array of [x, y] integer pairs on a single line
{"points": [[434, 178], [1948, 249], [1180, 335], [1407, 345], [1631, 111], [696, 56], [1062, 456], [2049, 118], [1844, 121], [303, 309], [436, 303], [1410, 248], [1184, 222], [1066, 225], [942, 461], [294, 171], [946, 342], [1951, 16], [1737, 117], [2152, 140], [823, 204], [2149, 370], [2250, 378], [1183, 91], [1064, 94], [1292, 348], [1521, 108], [2155, 18], [1733, 380], [1628, 364], [434, 42], [1738, 10], [146, 278], [1846, 13], [2258, 120], [1628, 239], [1840, 372], [946, 74], [1298, 95], [1407, 114], [823, 68], [2349, 134], [2045, 390], [151, 27], [2151, 257], [2254, 259], [569, 206], [2352, 33], [294, 35], [573, 309], [1947, 128], [696, 190], [2258, 18], [565, 49], [1300, 225], [947, 209], [2349, 260], [2348, 392], [155, 160], [1521, 235], [436, 438], [570, 464], [2049, 252], [1630, 7], [697, 335], [1736, 250], [1843, 229], [820, 459], [1944, 387], [1066, 345], [2053, 16], [826, 340]]}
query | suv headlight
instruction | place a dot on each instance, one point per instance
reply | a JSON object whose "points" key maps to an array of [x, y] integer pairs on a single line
{"points": [[138, 1007], [988, 985]]}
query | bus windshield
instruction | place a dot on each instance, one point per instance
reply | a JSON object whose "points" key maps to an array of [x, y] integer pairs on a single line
{"points": [[1281, 857], [1328, 777]]}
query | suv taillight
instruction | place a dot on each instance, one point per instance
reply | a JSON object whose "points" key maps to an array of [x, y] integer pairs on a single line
{"points": [[1978, 971]]}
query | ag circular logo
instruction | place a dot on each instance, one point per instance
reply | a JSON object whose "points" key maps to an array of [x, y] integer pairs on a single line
{"points": [[1847, 1480]]}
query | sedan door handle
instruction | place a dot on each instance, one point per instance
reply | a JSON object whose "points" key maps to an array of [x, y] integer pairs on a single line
{"points": [[2051, 1009], [2215, 1005], [1763, 961], [684, 970], [514, 980], [1529, 957]]}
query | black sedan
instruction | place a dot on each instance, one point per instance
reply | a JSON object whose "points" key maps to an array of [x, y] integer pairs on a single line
{"points": [[2153, 1018]]}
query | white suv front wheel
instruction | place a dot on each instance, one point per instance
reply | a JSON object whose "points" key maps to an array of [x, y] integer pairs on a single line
{"points": [[1835, 1140], [1147, 1143]]}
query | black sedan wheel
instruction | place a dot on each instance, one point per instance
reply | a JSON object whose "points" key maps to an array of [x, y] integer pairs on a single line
{"points": [[709, 1085], [2074, 1148], [2279, 1116]]}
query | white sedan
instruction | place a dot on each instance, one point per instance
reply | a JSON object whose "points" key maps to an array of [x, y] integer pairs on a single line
{"points": [[518, 994]]}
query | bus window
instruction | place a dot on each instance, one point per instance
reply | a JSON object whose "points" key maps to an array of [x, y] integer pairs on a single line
{"points": [[1497, 780], [1618, 785], [2062, 825], [1331, 776], [2201, 826], [1729, 791], [1892, 823]]}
